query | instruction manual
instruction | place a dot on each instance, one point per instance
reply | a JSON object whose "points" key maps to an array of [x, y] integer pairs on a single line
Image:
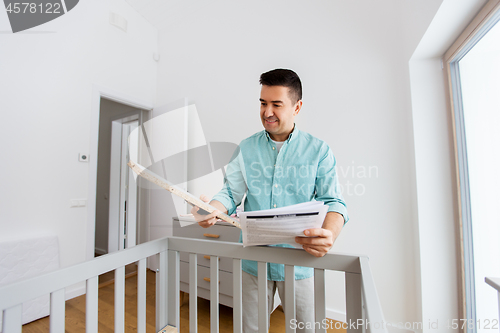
{"points": [[281, 225]]}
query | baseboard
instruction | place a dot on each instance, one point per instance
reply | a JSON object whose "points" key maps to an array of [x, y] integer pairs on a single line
{"points": [[391, 327], [100, 251], [75, 290], [335, 315]]}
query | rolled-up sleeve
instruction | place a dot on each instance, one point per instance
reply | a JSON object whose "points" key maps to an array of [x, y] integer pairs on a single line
{"points": [[327, 184], [234, 187]]}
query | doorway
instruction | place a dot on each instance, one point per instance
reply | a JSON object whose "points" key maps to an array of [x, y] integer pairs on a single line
{"points": [[155, 206], [117, 198]]}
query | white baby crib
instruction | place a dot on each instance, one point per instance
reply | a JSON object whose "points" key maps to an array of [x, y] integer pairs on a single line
{"points": [[362, 301]]}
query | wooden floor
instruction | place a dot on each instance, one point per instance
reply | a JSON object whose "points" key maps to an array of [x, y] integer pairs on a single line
{"points": [[75, 310]]}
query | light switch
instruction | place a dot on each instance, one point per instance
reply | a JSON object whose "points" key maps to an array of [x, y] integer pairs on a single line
{"points": [[77, 203]]}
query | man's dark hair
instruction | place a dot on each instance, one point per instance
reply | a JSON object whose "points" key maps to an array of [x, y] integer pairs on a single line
{"points": [[285, 78]]}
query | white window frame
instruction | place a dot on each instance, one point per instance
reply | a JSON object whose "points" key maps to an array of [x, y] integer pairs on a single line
{"points": [[480, 25]]}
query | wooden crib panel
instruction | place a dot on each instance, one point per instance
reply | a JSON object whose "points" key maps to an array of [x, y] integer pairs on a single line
{"points": [[12, 319], [92, 305], [141, 296], [193, 295], [263, 308], [289, 297], [237, 297], [173, 288], [57, 311], [214, 294], [319, 297]]}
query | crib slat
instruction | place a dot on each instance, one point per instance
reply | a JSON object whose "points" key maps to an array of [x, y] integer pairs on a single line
{"points": [[12, 319], [161, 292], [120, 299], [157, 299], [214, 294], [354, 310], [499, 304], [237, 303], [91, 305], [262, 285], [289, 297], [319, 298], [193, 293], [173, 289], [141, 296], [57, 311]]}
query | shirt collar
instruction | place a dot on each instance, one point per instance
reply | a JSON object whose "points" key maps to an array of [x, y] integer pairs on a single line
{"points": [[292, 135]]}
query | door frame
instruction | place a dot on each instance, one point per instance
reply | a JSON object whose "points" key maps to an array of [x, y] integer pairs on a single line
{"points": [[99, 92]]}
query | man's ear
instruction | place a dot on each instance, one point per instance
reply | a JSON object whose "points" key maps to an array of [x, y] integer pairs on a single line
{"points": [[298, 106]]}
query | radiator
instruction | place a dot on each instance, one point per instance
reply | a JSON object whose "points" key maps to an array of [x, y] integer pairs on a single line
{"points": [[25, 258]]}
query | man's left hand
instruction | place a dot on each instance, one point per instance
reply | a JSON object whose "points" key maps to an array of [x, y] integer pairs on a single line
{"points": [[317, 242], [320, 240]]}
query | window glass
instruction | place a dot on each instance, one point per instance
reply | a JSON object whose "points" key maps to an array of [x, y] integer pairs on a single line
{"points": [[480, 85]]}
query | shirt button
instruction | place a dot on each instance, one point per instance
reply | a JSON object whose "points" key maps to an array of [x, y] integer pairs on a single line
{"points": [[276, 185], [274, 205], [273, 148]]}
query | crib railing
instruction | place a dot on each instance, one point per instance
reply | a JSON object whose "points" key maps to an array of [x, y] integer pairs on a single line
{"points": [[363, 311], [495, 283]]}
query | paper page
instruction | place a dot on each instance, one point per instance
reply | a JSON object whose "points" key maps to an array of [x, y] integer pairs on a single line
{"points": [[282, 225], [186, 219], [297, 208]]}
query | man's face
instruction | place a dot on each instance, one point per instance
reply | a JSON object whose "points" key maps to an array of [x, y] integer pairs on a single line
{"points": [[277, 111]]}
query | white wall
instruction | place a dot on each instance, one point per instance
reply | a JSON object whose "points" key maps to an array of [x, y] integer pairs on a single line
{"points": [[46, 81], [435, 166], [352, 57]]}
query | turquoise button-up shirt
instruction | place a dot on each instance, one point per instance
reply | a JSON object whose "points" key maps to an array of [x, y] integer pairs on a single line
{"points": [[302, 171]]}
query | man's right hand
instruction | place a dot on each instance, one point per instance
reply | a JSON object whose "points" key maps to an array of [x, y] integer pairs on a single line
{"points": [[205, 220]]}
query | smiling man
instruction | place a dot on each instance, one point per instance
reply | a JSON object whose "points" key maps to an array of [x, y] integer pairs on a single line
{"points": [[278, 167], [278, 112]]}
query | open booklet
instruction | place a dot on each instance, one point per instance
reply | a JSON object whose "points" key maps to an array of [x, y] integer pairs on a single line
{"points": [[281, 225]]}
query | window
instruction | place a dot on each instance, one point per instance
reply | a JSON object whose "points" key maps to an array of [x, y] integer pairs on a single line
{"points": [[473, 65]]}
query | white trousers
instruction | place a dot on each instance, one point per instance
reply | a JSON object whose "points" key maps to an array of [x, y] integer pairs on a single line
{"points": [[304, 302]]}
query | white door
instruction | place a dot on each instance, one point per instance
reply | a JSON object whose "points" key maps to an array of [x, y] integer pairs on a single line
{"points": [[123, 189]]}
